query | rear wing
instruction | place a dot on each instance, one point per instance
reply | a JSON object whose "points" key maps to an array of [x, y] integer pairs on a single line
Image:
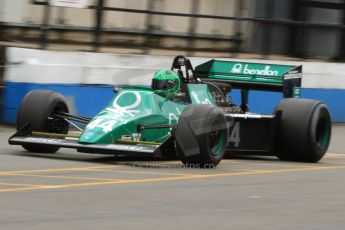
{"points": [[255, 76]]}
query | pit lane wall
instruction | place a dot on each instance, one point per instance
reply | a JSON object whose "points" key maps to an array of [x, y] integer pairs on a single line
{"points": [[87, 79]]}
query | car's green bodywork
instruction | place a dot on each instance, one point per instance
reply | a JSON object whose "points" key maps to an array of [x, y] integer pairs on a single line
{"points": [[133, 106]]}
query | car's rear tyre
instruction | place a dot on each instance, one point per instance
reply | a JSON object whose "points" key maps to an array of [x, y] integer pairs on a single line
{"points": [[207, 126], [304, 130], [36, 108]]}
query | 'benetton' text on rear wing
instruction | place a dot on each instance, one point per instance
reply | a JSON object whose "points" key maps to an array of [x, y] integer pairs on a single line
{"points": [[255, 76]]}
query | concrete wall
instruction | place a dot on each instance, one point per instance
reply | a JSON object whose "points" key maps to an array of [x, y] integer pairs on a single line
{"points": [[310, 41], [86, 79]]}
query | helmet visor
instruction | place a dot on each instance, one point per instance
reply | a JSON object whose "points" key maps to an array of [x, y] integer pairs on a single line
{"points": [[162, 84]]}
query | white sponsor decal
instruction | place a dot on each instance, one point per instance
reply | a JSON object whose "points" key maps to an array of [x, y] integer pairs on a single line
{"points": [[292, 75], [245, 116], [125, 147], [136, 136], [126, 137], [173, 117], [196, 98], [129, 108], [239, 69], [43, 140]]}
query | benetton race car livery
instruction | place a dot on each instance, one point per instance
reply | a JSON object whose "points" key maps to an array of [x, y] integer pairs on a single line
{"points": [[186, 113]]}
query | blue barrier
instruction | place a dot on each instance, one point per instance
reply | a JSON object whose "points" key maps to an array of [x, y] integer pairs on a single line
{"points": [[265, 102], [87, 100], [83, 99]]}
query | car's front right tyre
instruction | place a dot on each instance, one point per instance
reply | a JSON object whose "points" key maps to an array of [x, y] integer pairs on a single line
{"points": [[207, 127]]}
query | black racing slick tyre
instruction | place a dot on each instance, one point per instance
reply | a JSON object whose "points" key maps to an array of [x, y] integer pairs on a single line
{"points": [[304, 130], [201, 136], [36, 108]]}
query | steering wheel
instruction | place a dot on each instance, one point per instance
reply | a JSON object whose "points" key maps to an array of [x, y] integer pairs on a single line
{"points": [[184, 69]]}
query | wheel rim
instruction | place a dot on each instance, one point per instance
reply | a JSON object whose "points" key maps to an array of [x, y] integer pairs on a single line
{"points": [[323, 132], [58, 125], [216, 140]]}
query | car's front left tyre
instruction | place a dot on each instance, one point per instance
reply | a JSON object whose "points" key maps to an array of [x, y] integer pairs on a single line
{"points": [[37, 109]]}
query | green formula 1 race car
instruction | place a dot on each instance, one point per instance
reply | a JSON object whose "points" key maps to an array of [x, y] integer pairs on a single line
{"points": [[186, 114]]}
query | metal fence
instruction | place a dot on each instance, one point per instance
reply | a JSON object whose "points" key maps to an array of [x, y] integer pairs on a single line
{"points": [[295, 24], [150, 34]]}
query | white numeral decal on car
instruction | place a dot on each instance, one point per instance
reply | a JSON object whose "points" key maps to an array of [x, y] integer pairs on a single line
{"points": [[95, 123], [108, 125], [99, 122], [235, 134]]}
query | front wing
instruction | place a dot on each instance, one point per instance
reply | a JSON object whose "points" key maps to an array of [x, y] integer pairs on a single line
{"points": [[25, 136], [88, 148]]}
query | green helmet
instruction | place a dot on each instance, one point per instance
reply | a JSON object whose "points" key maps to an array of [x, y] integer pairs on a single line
{"points": [[166, 83]]}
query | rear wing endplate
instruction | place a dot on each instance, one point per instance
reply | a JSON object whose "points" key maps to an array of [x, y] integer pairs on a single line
{"points": [[255, 76]]}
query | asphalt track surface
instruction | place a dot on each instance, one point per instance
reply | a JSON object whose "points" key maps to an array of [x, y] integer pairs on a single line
{"points": [[71, 190]]}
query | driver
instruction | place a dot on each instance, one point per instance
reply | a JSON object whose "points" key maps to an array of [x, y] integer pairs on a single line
{"points": [[166, 83]]}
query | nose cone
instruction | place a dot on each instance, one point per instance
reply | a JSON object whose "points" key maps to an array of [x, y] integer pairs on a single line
{"points": [[94, 136], [120, 117]]}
